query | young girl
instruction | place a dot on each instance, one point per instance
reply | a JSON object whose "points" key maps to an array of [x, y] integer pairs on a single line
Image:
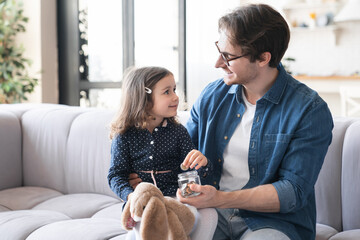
{"points": [[146, 138]]}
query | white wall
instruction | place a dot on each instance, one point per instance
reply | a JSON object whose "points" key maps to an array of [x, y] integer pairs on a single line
{"points": [[319, 53], [31, 40], [40, 45], [201, 53]]}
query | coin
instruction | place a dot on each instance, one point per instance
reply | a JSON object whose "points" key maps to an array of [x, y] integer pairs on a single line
{"points": [[183, 167]]}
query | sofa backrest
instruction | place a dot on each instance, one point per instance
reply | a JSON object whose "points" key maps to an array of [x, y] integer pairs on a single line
{"points": [[337, 192], [10, 150], [67, 149], [56, 146], [328, 185], [350, 178]]}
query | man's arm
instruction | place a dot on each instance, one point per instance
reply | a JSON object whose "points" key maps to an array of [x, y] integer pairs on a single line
{"points": [[262, 198]]}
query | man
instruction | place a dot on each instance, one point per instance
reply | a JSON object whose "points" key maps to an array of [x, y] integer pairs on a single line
{"points": [[265, 133]]}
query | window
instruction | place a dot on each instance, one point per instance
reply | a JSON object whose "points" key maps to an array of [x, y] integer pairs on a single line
{"points": [[98, 41]]}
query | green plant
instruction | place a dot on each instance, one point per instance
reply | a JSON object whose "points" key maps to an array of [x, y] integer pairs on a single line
{"points": [[15, 81]]}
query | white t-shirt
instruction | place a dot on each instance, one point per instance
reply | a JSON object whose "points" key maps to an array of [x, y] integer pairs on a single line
{"points": [[235, 173]]}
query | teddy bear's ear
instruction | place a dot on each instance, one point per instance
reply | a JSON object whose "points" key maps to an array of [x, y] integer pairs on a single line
{"points": [[176, 228], [154, 222], [185, 216], [126, 220]]}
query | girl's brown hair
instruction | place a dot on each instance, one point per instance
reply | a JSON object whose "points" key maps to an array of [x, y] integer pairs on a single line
{"points": [[135, 100]]}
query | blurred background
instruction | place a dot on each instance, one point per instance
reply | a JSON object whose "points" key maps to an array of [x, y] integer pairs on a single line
{"points": [[82, 47]]}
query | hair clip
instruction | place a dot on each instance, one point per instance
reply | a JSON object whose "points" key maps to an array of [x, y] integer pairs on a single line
{"points": [[148, 90]]}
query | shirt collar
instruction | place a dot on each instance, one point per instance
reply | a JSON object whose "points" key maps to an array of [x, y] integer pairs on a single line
{"points": [[278, 88], [236, 89]]}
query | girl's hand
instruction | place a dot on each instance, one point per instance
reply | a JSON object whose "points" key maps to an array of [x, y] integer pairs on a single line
{"points": [[134, 180], [195, 159]]}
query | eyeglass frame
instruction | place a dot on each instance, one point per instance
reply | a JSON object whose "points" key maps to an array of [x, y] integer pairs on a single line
{"points": [[227, 60]]}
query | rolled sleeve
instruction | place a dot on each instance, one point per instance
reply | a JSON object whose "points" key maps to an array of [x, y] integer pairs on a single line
{"points": [[286, 194]]}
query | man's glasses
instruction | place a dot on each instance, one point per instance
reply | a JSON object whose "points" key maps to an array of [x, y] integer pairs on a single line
{"points": [[225, 56]]}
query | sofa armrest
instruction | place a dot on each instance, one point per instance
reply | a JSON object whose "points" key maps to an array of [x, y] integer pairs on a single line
{"points": [[10, 150]]}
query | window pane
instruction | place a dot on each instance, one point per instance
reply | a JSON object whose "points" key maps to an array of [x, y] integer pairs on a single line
{"points": [[103, 31], [157, 34], [108, 98]]}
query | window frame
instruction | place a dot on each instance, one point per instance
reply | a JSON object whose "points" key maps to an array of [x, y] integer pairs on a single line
{"points": [[70, 82]]}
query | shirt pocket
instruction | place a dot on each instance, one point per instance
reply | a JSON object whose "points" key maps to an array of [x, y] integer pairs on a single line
{"points": [[275, 149]]}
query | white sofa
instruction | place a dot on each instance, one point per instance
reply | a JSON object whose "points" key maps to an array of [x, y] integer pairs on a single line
{"points": [[54, 162], [53, 176]]}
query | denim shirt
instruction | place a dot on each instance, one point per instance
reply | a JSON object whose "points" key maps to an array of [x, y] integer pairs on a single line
{"points": [[290, 135]]}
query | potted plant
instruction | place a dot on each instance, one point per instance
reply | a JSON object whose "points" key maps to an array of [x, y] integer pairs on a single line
{"points": [[15, 81]]}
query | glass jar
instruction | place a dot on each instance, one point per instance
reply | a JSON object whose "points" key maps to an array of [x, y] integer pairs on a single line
{"points": [[185, 179]]}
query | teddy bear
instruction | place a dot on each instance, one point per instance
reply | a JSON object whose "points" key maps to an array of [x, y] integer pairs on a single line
{"points": [[160, 217]]}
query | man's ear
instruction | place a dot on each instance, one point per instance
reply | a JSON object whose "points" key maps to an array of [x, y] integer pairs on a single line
{"points": [[265, 58]]}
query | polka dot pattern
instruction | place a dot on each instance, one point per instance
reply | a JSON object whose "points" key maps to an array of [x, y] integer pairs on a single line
{"points": [[139, 150]]}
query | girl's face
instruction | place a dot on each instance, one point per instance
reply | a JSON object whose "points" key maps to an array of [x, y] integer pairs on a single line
{"points": [[165, 100]]}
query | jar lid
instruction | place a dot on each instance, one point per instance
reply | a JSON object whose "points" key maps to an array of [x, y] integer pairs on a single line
{"points": [[187, 174]]}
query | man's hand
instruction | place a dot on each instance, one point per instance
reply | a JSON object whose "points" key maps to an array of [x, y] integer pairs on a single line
{"points": [[195, 159], [134, 180], [208, 196], [263, 198]]}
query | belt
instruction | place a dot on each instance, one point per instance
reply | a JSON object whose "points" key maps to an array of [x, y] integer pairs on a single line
{"points": [[153, 172]]}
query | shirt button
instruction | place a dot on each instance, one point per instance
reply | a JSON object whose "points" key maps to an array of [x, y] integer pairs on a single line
{"points": [[152, 142], [219, 160], [215, 183], [238, 115], [151, 157], [156, 129], [226, 137]]}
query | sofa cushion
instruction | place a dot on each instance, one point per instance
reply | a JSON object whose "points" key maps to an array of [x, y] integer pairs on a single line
{"points": [[89, 229], [19, 224], [121, 237], [113, 211], [23, 198], [4, 209], [350, 189], [347, 235], [77, 205], [324, 232]]}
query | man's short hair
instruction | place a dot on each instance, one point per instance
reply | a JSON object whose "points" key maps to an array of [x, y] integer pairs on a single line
{"points": [[257, 28]]}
